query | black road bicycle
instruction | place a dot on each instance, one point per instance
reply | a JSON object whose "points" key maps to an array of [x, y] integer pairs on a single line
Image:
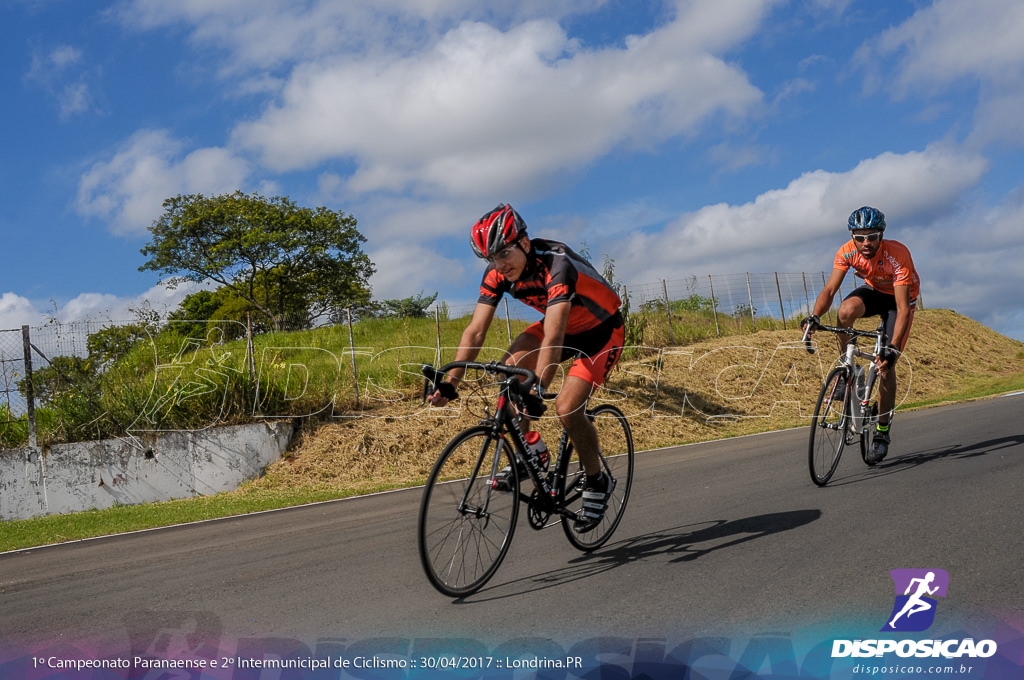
{"points": [[847, 406], [467, 517]]}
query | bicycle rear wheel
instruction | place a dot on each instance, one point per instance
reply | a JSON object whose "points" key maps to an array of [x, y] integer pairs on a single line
{"points": [[466, 525], [828, 428], [616, 441]]}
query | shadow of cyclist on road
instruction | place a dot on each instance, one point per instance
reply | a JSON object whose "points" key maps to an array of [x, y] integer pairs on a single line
{"points": [[680, 544], [909, 461]]}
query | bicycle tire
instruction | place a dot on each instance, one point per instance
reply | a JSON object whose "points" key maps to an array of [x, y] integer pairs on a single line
{"points": [[867, 434], [461, 549], [616, 441], [828, 428]]}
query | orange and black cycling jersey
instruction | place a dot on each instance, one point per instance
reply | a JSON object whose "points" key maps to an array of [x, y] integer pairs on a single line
{"points": [[555, 273], [891, 266]]}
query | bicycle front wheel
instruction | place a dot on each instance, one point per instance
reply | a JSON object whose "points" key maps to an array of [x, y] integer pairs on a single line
{"points": [[465, 523], [616, 442], [828, 428]]}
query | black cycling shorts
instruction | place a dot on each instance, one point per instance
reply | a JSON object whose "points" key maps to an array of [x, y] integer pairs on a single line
{"points": [[877, 303]]}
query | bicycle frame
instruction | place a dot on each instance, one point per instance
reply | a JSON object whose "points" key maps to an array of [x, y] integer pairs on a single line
{"points": [[466, 524], [858, 402], [504, 426], [855, 416]]}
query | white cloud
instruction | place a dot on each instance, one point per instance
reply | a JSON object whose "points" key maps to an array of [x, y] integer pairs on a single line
{"points": [[791, 229], [407, 269], [964, 256], [951, 41], [483, 110], [59, 74], [17, 311], [46, 68], [268, 33], [128, 190]]}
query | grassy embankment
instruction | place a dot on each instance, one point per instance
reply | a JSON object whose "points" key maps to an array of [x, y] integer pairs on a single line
{"points": [[703, 388]]}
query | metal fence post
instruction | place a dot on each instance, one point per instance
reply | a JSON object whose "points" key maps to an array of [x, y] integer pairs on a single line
{"points": [[830, 302], [714, 307], [807, 299], [782, 309], [30, 395], [668, 312], [437, 330], [352, 354], [508, 322], [750, 299]]}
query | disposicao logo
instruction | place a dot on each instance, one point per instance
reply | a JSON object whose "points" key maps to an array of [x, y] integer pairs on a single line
{"points": [[914, 610], [915, 605]]}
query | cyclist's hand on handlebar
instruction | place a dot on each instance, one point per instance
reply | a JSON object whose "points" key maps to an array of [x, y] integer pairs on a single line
{"points": [[532, 402], [808, 326], [444, 393], [888, 356]]}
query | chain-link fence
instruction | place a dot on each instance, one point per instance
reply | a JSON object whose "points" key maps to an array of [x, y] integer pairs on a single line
{"points": [[65, 396], [53, 351], [738, 300], [13, 361]]}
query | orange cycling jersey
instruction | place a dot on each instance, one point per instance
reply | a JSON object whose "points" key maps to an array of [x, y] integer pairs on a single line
{"points": [[890, 267], [554, 273]]}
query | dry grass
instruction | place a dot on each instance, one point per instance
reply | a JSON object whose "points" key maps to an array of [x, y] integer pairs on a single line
{"points": [[709, 390]]}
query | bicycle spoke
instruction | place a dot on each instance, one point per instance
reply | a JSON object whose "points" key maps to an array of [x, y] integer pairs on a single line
{"points": [[828, 428], [465, 526], [617, 453]]}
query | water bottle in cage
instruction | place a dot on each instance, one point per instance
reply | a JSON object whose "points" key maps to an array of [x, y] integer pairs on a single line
{"points": [[538, 450]]}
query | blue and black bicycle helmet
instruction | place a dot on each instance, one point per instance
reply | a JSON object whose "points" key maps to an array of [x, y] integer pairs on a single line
{"points": [[867, 218]]}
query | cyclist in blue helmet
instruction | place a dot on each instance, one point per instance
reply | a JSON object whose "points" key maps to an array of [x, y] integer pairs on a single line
{"points": [[891, 290]]}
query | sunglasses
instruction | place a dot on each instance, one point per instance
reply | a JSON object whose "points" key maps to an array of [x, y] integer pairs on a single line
{"points": [[501, 255], [870, 238]]}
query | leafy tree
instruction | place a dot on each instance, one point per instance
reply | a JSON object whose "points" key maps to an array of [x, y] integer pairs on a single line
{"points": [[108, 346], [198, 311], [412, 307], [63, 375], [190, 318], [290, 265], [694, 303]]}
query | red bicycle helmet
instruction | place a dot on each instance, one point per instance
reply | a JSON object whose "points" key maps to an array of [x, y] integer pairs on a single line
{"points": [[498, 228]]}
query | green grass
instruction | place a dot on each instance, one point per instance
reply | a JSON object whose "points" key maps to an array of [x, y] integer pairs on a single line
{"points": [[974, 389], [299, 373], [398, 346], [27, 533]]}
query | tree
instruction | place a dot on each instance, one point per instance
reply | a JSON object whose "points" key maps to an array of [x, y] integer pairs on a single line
{"points": [[412, 307], [62, 376], [290, 264]]}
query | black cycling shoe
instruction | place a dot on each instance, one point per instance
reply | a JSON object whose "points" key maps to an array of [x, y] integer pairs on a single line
{"points": [[879, 448], [596, 495]]}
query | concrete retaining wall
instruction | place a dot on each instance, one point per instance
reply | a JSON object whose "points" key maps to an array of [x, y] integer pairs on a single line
{"points": [[160, 467]]}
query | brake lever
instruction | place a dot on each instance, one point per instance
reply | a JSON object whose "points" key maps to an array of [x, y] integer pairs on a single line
{"points": [[433, 377], [808, 345]]}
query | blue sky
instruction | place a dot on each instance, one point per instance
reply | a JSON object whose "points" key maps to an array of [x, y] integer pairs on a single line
{"points": [[680, 138]]}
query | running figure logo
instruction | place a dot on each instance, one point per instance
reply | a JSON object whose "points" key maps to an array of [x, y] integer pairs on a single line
{"points": [[914, 608]]}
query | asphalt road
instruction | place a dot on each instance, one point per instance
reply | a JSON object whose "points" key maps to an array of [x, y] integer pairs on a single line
{"points": [[724, 538]]}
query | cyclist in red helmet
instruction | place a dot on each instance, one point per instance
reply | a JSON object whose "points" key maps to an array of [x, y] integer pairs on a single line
{"points": [[891, 290], [581, 321]]}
